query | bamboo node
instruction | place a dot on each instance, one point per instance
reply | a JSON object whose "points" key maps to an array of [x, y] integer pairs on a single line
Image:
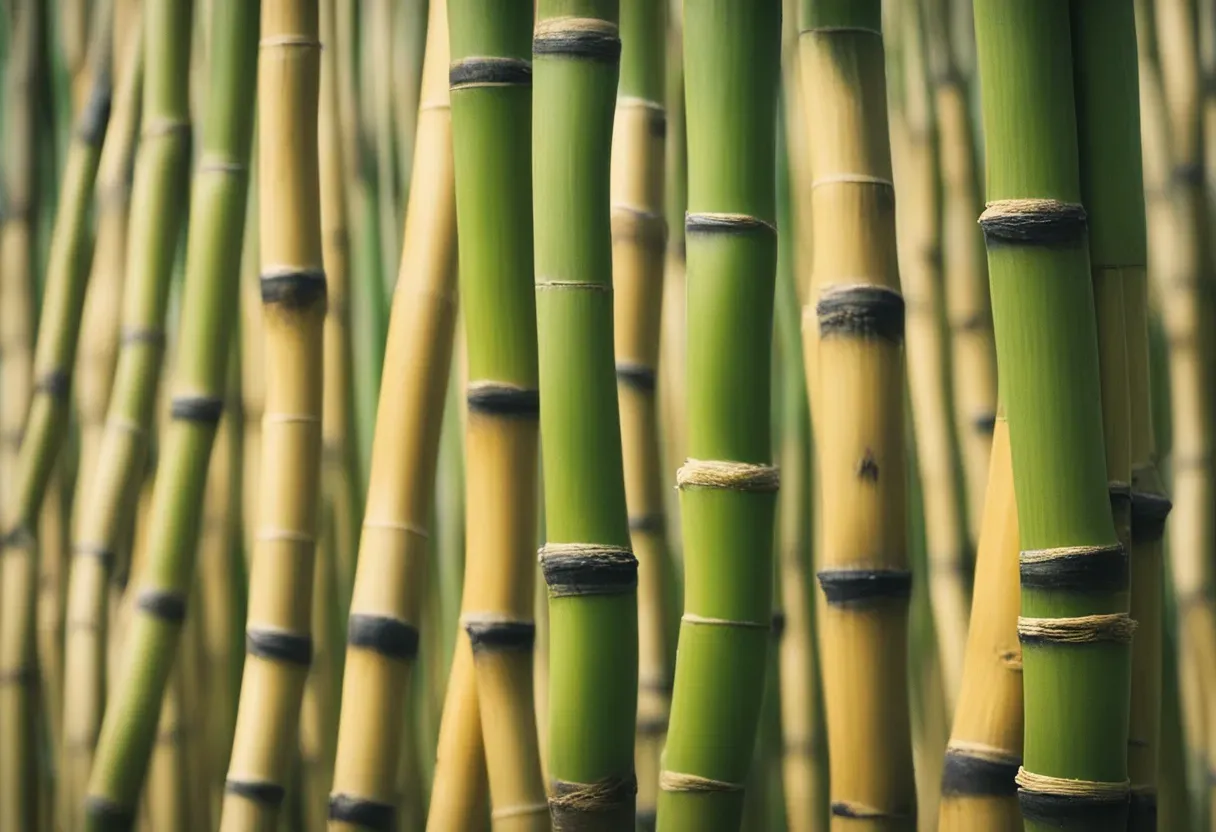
{"points": [[693, 618], [853, 179], [496, 398], [522, 810], [1097, 568], [128, 426], [488, 72], [284, 536], [1041, 222], [574, 284], [1110, 628], [861, 310], [164, 126], [588, 38], [978, 769], [570, 801], [1068, 787], [675, 781], [733, 476], [384, 635], [220, 164], [861, 811], [724, 222], [636, 376], [289, 42], [403, 528], [358, 811], [490, 632], [272, 418], [630, 223], [572, 569], [860, 587]]}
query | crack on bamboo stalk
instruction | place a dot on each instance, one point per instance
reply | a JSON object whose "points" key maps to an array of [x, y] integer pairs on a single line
{"points": [[55, 384], [107, 813], [293, 288], [520, 811], [974, 770], [676, 781], [581, 38], [104, 555], [633, 224], [702, 620], [861, 311], [95, 117], [495, 398], [572, 569], [725, 474], [636, 376], [724, 222], [856, 810], [863, 587], [278, 646], [853, 179], [1108, 628], [389, 637], [363, 813], [489, 633], [1102, 568], [166, 605], [1033, 222], [256, 791], [1063, 801], [1150, 511], [570, 802], [477, 71], [203, 410], [654, 523]]}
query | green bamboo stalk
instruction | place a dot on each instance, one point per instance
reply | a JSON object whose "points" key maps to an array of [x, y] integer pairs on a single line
{"points": [[638, 227], [278, 631], [491, 106], [1074, 626], [587, 561], [208, 304], [728, 485], [853, 330], [1106, 72], [44, 434]]}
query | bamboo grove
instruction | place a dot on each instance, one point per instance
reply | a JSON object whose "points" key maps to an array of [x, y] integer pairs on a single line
{"points": [[607, 415]]}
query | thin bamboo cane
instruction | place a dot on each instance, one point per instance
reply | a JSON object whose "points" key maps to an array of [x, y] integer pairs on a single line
{"points": [[253, 365], [382, 632], [208, 305], [410, 29], [158, 212], [279, 642], [853, 342], [1074, 627], [985, 750], [1174, 804], [914, 142], [319, 707], [338, 458], [74, 35], [491, 98], [638, 230], [968, 310], [1112, 181], [167, 806], [45, 427], [587, 562], [1187, 303]]}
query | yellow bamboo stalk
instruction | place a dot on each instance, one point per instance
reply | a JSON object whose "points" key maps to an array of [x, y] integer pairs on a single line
{"points": [[382, 632]]}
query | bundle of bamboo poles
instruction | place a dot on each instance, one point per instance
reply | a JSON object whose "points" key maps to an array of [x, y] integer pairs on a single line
{"points": [[607, 414]]}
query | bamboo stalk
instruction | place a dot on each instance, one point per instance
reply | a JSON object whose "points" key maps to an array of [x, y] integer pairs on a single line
{"points": [[44, 432], [852, 337], [985, 750], [158, 212], [128, 731], [1112, 190], [1184, 283], [592, 637], [728, 485], [383, 630], [491, 98], [252, 364], [638, 231], [279, 641], [914, 142], [1074, 627]]}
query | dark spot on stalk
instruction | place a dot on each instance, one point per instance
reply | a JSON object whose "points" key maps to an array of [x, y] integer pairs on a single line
{"points": [[205, 410], [1187, 174], [95, 117], [658, 124], [778, 625], [867, 468], [56, 384], [106, 814], [636, 376], [984, 424], [166, 605], [366, 814]]}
